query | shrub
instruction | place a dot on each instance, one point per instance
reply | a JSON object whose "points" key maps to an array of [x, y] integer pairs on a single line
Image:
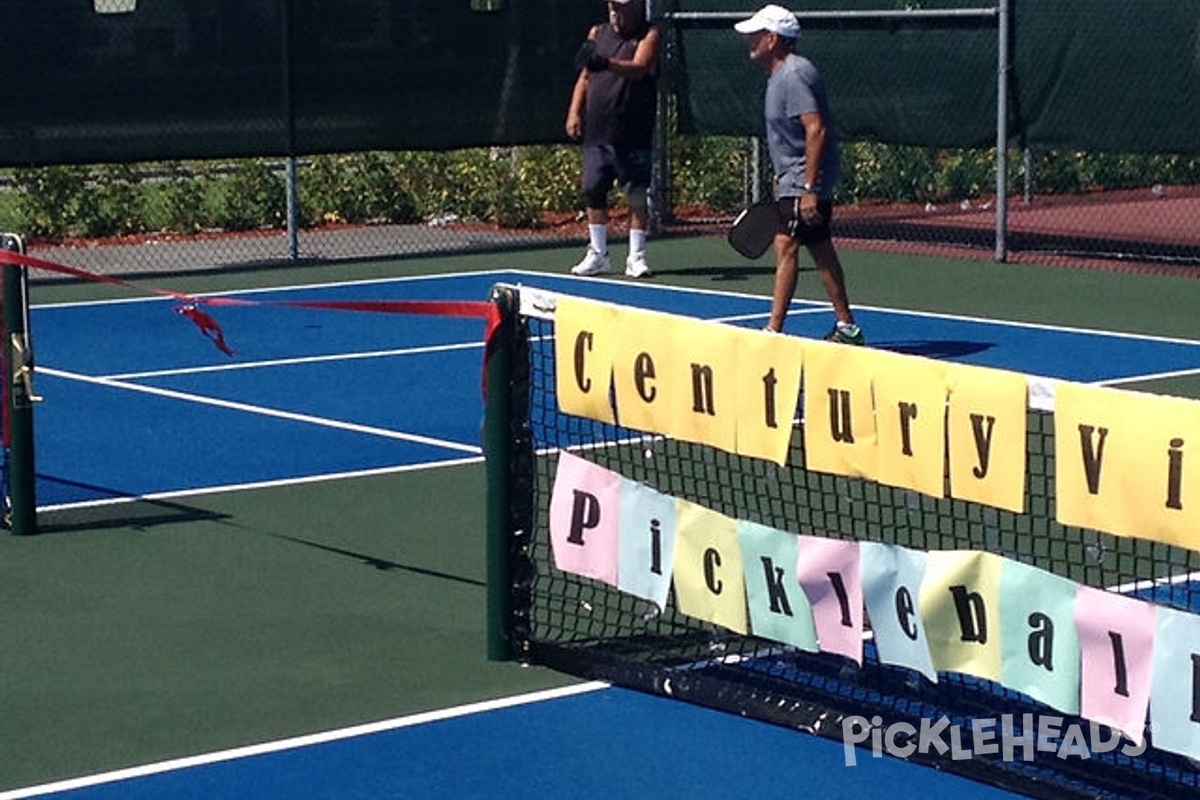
{"points": [[46, 199], [252, 196], [709, 170], [182, 198], [111, 203], [356, 187]]}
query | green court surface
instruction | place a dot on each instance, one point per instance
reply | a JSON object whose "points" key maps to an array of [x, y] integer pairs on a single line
{"points": [[138, 633]]}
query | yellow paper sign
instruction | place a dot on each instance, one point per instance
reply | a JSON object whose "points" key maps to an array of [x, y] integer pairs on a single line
{"points": [[910, 413], [960, 606], [1123, 463], [584, 341], [642, 370], [839, 414], [703, 367], [986, 433], [769, 369], [709, 582]]}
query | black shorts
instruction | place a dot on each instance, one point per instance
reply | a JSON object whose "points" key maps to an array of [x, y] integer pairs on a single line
{"points": [[791, 223], [604, 164]]}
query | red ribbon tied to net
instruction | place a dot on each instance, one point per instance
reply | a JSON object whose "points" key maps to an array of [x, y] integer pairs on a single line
{"points": [[190, 306], [208, 326]]}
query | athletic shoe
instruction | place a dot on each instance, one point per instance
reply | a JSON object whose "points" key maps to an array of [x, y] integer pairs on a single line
{"points": [[847, 334], [636, 266], [593, 264]]}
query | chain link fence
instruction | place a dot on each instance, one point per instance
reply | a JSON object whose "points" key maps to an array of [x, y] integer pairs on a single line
{"points": [[1124, 210], [1093, 169]]}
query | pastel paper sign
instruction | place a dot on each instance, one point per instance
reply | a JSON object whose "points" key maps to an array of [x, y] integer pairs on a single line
{"points": [[648, 391], [768, 376], [828, 569], [910, 410], [891, 579], [1116, 637], [960, 603], [704, 366], [779, 609], [584, 519], [583, 349], [1038, 639], [1173, 701], [986, 428], [839, 414], [1122, 464], [709, 578], [647, 548]]}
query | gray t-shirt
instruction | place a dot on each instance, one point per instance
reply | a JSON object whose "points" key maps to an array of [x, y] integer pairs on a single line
{"points": [[796, 88]]}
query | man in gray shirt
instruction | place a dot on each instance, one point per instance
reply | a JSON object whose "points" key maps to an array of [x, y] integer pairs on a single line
{"points": [[806, 159]]}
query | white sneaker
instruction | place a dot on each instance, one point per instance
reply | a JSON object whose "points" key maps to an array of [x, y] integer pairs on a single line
{"points": [[593, 264], [636, 266]]}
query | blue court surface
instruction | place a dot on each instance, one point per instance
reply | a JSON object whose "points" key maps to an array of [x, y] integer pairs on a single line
{"points": [[138, 404], [555, 745]]}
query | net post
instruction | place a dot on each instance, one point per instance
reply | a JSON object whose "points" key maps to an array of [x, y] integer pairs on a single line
{"points": [[19, 397], [498, 447]]}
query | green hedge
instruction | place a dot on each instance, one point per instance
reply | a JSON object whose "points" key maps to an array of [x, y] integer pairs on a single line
{"points": [[511, 187]]}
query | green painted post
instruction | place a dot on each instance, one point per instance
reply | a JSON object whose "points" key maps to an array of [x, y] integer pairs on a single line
{"points": [[22, 475], [497, 447]]}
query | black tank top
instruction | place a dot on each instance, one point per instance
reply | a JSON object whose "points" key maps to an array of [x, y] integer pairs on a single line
{"points": [[620, 111]]}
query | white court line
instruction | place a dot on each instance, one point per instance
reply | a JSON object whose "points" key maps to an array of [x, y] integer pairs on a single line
{"points": [[271, 484], [1154, 376], [799, 305], [156, 298], [1154, 583], [264, 411], [303, 741], [285, 362]]}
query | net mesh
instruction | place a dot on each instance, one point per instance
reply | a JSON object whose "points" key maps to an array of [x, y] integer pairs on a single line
{"points": [[589, 629]]}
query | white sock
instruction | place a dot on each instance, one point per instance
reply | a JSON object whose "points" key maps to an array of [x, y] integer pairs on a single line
{"points": [[637, 240], [598, 238]]}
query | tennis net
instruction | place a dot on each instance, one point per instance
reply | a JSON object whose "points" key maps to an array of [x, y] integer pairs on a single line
{"points": [[976, 715]]}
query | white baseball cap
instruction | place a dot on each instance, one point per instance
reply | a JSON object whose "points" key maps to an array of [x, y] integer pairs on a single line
{"points": [[772, 19]]}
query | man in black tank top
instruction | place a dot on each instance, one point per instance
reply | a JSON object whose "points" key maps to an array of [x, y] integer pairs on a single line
{"points": [[613, 109]]}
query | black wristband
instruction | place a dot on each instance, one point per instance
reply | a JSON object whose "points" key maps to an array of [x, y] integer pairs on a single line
{"points": [[584, 55], [597, 63]]}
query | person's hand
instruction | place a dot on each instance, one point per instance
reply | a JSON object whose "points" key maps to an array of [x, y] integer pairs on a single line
{"points": [[808, 210], [587, 58], [574, 124]]}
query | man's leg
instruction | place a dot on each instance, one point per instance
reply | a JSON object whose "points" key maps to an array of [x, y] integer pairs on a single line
{"points": [[639, 224], [786, 252], [833, 278], [596, 182], [598, 229]]}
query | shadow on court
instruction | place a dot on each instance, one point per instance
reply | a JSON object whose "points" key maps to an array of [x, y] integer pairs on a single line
{"points": [[936, 348], [724, 274], [141, 516]]}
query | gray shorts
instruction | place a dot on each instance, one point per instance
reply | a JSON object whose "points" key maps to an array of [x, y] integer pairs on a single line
{"points": [[604, 165]]}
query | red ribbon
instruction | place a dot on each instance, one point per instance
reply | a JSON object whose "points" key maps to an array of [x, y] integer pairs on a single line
{"points": [[190, 305]]}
